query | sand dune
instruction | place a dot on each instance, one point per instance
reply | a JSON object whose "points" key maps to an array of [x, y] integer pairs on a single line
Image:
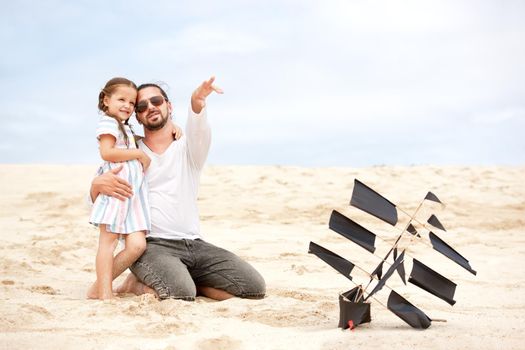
{"points": [[267, 215]]}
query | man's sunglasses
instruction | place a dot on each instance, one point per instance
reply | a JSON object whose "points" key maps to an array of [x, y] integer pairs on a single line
{"points": [[143, 105]]}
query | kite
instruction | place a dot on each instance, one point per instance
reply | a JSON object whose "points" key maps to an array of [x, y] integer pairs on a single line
{"points": [[354, 304]]}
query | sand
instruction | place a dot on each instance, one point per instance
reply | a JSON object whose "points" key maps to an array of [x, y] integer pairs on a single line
{"points": [[268, 216]]}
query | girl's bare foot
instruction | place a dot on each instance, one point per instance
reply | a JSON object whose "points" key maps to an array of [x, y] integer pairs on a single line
{"points": [[107, 296], [92, 292]]}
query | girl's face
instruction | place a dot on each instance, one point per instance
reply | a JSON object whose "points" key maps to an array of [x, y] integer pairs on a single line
{"points": [[121, 103]]}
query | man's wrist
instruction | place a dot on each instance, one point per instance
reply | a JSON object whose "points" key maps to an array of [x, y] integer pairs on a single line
{"points": [[197, 105]]}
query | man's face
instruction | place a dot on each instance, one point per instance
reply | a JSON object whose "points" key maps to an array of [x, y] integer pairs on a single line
{"points": [[153, 117]]}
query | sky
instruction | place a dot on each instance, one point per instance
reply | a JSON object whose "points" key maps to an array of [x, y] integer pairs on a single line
{"points": [[307, 83]]}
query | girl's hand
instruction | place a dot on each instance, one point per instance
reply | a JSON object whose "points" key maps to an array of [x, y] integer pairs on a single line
{"points": [[177, 131], [145, 161]]}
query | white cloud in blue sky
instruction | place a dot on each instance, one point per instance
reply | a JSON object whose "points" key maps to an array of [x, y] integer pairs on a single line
{"points": [[347, 83]]}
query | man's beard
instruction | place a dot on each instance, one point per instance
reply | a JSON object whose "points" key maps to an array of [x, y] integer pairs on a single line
{"points": [[156, 125]]}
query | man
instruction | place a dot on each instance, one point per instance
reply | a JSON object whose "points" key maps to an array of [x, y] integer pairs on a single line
{"points": [[177, 262]]}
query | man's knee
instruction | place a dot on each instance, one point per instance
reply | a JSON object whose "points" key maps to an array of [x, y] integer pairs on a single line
{"points": [[247, 282], [232, 274], [183, 290], [167, 283], [255, 287]]}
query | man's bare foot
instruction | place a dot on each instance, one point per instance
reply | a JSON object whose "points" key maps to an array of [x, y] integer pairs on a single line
{"points": [[213, 293], [133, 285]]}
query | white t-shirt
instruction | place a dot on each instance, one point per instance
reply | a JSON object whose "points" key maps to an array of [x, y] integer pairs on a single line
{"points": [[173, 181]]}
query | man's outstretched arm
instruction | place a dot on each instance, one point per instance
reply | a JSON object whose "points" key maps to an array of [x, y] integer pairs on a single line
{"points": [[197, 128]]}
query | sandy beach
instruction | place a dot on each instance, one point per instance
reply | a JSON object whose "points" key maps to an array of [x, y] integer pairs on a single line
{"points": [[267, 215]]}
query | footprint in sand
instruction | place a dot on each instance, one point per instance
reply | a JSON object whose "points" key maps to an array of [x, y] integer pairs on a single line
{"points": [[41, 195], [221, 343], [37, 309], [44, 290]]}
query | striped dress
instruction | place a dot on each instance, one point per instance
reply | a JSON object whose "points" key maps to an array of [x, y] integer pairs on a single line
{"points": [[132, 214]]}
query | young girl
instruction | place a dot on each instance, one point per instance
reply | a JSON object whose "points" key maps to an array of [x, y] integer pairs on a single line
{"points": [[114, 217]]}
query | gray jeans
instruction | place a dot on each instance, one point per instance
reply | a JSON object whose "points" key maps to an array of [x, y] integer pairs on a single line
{"points": [[173, 268]]}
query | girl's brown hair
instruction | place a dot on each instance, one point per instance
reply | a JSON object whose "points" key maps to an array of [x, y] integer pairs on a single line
{"points": [[108, 90]]}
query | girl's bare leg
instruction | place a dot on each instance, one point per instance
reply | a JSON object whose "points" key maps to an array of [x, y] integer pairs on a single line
{"points": [[92, 292], [104, 263], [135, 246]]}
